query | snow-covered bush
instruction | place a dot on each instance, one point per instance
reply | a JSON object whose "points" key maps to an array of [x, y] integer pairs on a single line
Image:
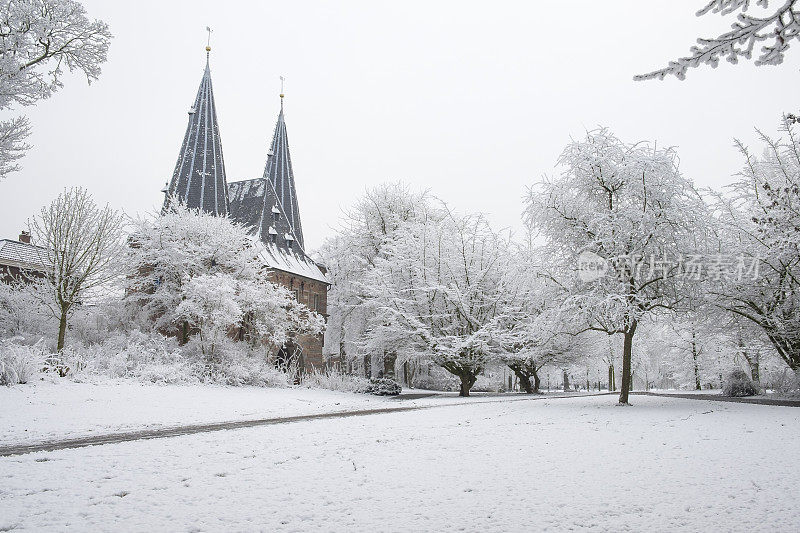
{"points": [[436, 379], [22, 313], [384, 387], [232, 363], [489, 384], [138, 355], [19, 363], [786, 383], [334, 379], [738, 383]]}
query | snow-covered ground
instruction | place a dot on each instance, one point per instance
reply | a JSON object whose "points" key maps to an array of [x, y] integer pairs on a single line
{"points": [[47, 410], [43, 410], [580, 463]]}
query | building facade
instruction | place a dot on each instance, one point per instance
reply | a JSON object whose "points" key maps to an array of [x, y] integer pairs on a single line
{"points": [[268, 206]]}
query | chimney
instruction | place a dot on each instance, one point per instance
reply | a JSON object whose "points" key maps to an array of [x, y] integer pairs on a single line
{"points": [[25, 237]]}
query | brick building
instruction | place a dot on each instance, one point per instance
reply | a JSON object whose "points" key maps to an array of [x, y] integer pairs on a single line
{"points": [[267, 205]]}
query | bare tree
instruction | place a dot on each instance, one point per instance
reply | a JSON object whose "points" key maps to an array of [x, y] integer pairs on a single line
{"points": [[38, 38], [80, 245], [776, 29]]}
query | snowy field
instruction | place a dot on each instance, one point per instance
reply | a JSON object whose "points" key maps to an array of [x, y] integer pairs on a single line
{"points": [[43, 411], [580, 464]]}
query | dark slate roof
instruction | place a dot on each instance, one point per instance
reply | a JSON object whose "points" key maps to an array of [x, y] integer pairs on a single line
{"points": [[279, 172], [254, 203], [20, 254], [199, 177]]}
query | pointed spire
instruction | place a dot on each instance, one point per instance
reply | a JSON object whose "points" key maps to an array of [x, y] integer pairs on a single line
{"points": [[279, 172], [199, 177]]}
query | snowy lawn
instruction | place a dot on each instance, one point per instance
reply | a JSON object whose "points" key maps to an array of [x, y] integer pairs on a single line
{"points": [[556, 464], [43, 411]]}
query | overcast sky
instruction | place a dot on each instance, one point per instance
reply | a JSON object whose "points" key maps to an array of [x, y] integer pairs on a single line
{"points": [[471, 100]]}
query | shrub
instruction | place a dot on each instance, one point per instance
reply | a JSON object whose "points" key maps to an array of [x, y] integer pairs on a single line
{"points": [[738, 383], [436, 379], [334, 379], [19, 363], [239, 364], [384, 387], [489, 384]]}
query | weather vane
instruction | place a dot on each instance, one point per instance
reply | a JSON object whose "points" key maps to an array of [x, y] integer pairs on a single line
{"points": [[208, 41]]}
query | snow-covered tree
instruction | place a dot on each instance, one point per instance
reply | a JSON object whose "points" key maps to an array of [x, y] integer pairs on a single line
{"points": [[196, 273], [80, 245], [39, 39], [367, 229], [760, 224], [436, 290], [529, 331], [772, 30], [415, 282], [626, 211], [528, 341]]}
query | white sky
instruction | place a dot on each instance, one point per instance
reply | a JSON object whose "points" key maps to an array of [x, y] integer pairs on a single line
{"points": [[474, 100]]}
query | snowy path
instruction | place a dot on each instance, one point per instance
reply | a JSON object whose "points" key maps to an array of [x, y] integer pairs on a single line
{"points": [[116, 438], [558, 464], [717, 397]]}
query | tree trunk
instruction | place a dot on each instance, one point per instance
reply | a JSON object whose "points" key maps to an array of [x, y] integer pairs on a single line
{"points": [[627, 349], [525, 383], [389, 360], [536, 381], [467, 381], [524, 377], [62, 330], [367, 366], [184, 338], [611, 386], [754, 362], [566, 382], [755, 370], [696, 367]]}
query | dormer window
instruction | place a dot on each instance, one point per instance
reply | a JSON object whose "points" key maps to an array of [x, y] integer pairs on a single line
{"points": [[275, 213], [289, 240], [273, 235]]}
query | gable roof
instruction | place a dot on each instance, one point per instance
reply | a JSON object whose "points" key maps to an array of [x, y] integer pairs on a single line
{"points": [[20, 254], [198, 180], [256, 205]]}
